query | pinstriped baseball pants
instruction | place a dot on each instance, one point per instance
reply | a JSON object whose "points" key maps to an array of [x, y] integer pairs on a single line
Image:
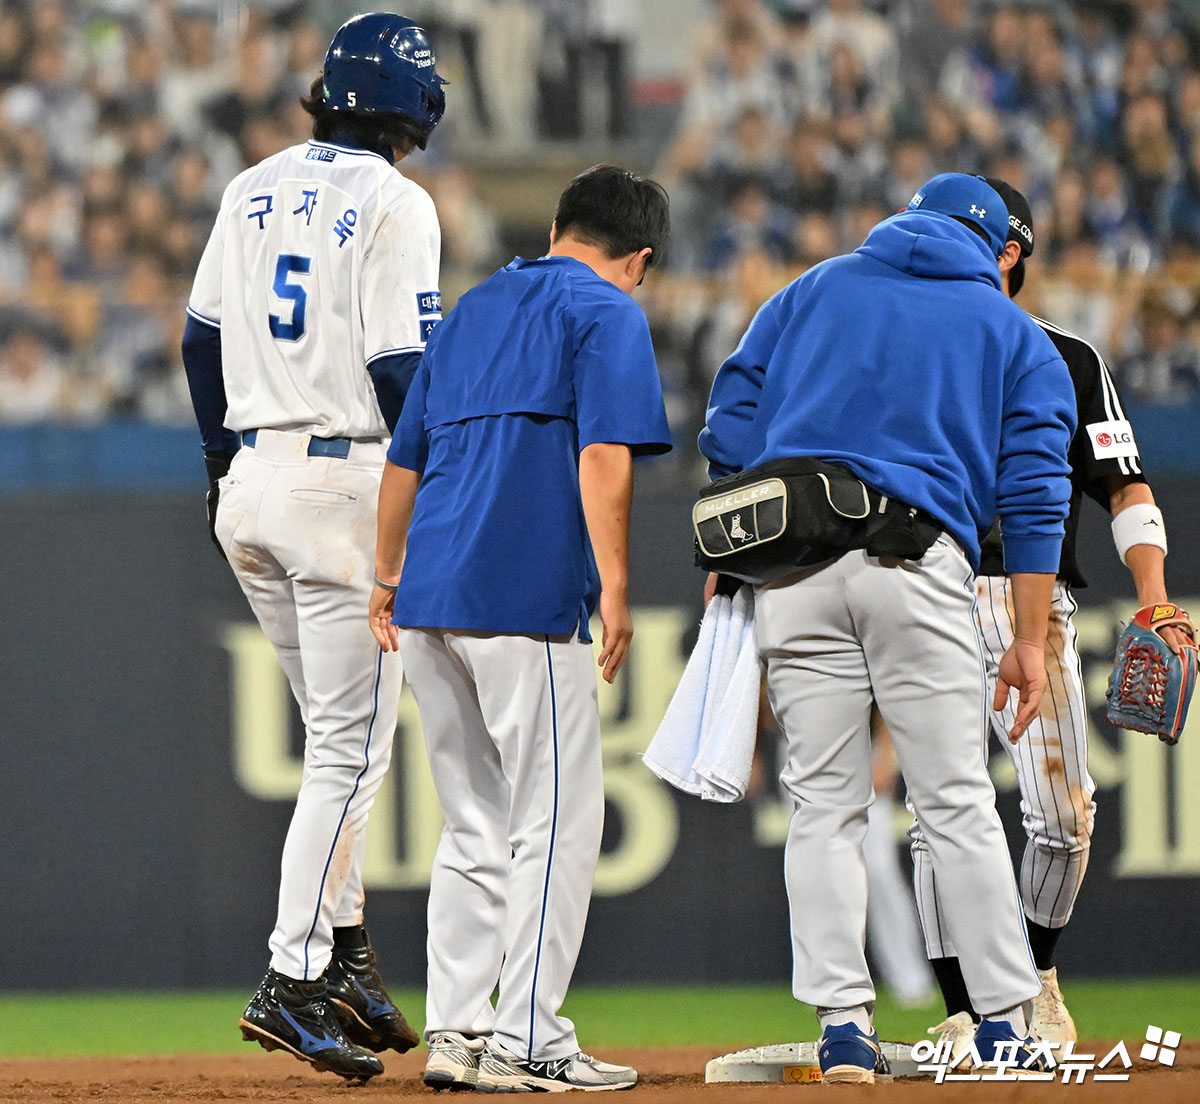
{"points": [[901, 634], [1058, 811]]}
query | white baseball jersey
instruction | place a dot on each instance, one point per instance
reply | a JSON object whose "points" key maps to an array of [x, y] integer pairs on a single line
{"points": [[318, 250], [323, 259]]}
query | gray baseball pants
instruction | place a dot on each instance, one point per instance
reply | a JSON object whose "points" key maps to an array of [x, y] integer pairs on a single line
{"points": [[902, 634]]}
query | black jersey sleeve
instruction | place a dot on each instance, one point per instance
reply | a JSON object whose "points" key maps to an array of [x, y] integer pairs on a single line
{"points": [[1104, 445]]}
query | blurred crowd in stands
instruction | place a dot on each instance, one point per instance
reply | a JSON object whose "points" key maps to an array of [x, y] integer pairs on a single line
{"points": [[800, 124], [121, 121], [805, 123]]}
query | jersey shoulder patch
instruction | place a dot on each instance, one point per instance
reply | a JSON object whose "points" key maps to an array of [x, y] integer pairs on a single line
{"points": [[1111, 439]]}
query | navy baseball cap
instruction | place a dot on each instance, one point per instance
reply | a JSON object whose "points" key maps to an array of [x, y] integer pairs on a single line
{"points": [[966, 197]]}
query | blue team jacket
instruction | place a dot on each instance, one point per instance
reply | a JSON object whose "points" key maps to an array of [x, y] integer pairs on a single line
{"points": [[542, 359], [905, 362]]}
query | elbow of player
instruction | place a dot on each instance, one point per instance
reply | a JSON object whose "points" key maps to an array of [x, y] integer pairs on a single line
{"points": [[201, 345]]}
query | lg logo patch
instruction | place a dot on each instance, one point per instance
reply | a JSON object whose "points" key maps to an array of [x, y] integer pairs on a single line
{"points": [[1111, 439]]}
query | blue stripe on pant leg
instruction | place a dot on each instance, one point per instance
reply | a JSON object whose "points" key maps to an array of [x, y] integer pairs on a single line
{"points": [[346, 809], [537, 961]]}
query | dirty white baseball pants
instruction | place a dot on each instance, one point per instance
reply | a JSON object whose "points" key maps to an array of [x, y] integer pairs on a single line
{"points": [[513, 733], [299, 532], [901, 633], [1057, 808]]}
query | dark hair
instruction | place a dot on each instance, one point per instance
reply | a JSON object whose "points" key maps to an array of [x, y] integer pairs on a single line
{"points": [[1016, 274], [1016, 278], [616, 211], [368, 130]]}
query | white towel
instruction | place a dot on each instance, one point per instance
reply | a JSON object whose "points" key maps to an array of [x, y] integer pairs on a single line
{"points": [[705, 744]]}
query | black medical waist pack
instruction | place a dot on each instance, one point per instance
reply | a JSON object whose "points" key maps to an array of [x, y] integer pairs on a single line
{"points": [[772, 520]]}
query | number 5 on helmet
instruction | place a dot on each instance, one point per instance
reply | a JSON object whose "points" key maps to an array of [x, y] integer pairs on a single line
{"points": [[383, 63]]}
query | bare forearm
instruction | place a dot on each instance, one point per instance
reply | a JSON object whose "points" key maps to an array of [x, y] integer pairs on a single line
{"points": [[1032, 594], [397, 494], [1145, 563], [606, 490]]}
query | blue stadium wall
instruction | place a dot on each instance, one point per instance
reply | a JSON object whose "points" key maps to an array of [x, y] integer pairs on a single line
{"points": [[151, 753]]}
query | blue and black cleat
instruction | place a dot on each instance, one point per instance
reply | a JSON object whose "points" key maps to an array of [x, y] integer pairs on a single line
{"points": [[294, 1016], [998, 1044], [358, 999], [848, 1056]]}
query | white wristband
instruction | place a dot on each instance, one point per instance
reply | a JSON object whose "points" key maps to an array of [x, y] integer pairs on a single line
{"points": [[1140, 523]]}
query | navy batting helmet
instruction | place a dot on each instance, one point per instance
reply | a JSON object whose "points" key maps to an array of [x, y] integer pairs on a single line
{"points": [[383, 63]]}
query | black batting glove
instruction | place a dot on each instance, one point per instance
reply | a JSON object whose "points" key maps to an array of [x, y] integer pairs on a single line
{"points": [[728, 585], [217, 465]]}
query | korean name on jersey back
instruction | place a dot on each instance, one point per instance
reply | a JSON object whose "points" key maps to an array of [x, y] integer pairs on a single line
{"points": [[317, 153]]}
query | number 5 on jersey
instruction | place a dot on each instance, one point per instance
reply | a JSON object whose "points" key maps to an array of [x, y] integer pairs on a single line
{"points": [[284, 288]]}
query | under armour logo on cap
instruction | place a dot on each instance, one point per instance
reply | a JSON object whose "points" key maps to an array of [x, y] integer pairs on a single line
{"points": [[963, 196]]}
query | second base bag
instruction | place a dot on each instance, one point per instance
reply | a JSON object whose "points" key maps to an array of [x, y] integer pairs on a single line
{"points": [[772, 520]]}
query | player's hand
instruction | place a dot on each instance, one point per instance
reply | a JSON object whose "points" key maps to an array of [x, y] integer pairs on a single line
{"points": [[1176, 638], [383, 602], [216, 464], [212, 501], [1022, 668], [618, 632]]}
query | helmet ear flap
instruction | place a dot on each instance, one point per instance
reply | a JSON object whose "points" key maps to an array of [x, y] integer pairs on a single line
{"points": [[435, 104]]}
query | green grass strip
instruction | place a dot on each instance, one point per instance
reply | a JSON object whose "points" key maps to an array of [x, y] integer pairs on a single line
{"points": [[720, 1017]]}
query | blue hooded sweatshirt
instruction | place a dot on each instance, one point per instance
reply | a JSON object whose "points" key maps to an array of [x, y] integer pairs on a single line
{"points": [[905, 362]]}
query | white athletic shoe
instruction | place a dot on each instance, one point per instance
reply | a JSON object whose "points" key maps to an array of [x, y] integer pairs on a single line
{"points": [[453, 1061], [1051, 1020], [959, 1032], [502, 1071]]}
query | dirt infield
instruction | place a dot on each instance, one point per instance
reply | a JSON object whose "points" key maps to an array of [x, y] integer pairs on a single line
{"points": [[668, 1077]]}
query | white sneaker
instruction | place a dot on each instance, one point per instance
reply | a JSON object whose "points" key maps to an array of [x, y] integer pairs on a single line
{"points": [[959, 1032], [1051, 1020], [502, 1071], [453, 1061]]}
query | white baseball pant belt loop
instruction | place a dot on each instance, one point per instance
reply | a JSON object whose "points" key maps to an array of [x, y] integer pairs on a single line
{"points": [[290, 446]]}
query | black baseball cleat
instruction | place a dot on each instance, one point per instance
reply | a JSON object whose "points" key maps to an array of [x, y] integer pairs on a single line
{"points": [[358, 998], [294, 1016]]}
